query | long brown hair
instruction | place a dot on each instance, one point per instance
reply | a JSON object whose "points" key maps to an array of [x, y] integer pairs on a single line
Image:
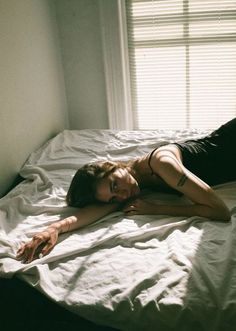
{"points": [[83, 186]]}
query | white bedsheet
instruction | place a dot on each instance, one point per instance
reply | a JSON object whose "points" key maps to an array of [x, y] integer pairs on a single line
{"points": [[132, 273]]}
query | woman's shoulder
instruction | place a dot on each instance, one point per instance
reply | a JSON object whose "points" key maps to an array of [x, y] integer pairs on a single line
{"points": [[169, 150]]}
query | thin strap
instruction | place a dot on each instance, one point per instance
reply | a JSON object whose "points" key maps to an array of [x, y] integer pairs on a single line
{"points": [[149, 160]]}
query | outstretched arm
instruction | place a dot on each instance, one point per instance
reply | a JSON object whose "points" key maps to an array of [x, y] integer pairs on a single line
{"points": [[167, 164], [42, 243]]}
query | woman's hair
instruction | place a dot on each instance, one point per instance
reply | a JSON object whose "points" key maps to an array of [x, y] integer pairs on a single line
{"points": [[83, 186]]}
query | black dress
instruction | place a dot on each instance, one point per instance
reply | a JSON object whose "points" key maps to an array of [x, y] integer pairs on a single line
{"points": [[212, 158]]}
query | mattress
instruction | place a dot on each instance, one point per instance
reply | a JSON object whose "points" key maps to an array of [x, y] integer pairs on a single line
{"points": [[142, 272]]}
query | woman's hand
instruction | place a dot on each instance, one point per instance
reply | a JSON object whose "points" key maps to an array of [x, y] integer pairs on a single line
{"points": [[139, 207], [41, 244]]}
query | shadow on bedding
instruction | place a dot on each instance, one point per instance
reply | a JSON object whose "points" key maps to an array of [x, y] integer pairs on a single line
{"points": [[210, 298]]}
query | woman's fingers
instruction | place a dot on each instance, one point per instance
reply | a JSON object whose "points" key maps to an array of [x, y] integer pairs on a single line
{"points": [[46, 250], [40, 245], [25, 258], [138, 207], [33, 247], [30, 254], [130, 210], [20, 251], [131, 206], [26, 252]]}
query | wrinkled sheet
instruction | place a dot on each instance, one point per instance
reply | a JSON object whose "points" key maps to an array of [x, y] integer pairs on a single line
{"points": [[132, 273]]}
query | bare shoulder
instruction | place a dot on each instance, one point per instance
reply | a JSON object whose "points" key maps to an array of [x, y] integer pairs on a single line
{"points": [[167, 151]]}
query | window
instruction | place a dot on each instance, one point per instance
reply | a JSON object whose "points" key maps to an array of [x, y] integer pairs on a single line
{"points": [[182, 56]]}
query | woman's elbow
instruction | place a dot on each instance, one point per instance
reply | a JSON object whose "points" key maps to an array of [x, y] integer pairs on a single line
{"points": [[226, 216], [215, 212], [221, 214]]}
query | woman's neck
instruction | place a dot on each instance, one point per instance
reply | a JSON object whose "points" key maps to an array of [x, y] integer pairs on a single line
{"points": [[140, 170]]}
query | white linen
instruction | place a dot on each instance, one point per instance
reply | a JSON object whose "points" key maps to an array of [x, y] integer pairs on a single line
{"points": [[132, 273]]}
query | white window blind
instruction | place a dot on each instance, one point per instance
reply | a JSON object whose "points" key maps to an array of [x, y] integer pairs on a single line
{"points": [[182, 56]]}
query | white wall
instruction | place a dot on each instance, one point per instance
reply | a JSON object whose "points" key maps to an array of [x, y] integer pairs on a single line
{"points": [[32, 94], [80, 34]]}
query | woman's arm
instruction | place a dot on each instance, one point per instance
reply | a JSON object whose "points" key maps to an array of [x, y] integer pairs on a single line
{"points": [[43, 242], [167, 164], [142, 207], [84, 216]]}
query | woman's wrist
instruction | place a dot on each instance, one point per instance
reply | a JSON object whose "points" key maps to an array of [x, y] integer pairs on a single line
{"points": [[64, 225], [61, 226]]}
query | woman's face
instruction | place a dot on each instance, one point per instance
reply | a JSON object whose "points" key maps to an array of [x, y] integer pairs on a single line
{"points": [[118, 186]]}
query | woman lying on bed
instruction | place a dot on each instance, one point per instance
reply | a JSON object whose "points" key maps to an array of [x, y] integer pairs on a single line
{"points": [[98, 189]]}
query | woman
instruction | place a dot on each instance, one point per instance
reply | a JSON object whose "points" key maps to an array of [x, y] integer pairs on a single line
{"points": [[188, 168]]}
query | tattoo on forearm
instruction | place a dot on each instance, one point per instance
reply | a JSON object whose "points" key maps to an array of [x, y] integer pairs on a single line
{"points": [[182, 180]]}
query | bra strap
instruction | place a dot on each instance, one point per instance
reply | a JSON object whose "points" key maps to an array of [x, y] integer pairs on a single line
{"points": [[149, 161]]}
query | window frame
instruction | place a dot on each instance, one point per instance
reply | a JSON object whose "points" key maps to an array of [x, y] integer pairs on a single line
{"points": [[116, 64]]}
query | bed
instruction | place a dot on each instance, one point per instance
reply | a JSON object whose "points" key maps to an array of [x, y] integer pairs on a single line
{"points": [[131, 273]]}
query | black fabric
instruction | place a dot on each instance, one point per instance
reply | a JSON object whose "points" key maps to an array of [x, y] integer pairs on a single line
{"points": [[149, 161], [212, 158], [23, 308]]}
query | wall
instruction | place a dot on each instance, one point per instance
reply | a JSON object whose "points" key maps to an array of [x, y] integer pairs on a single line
{"points": [[80, 34], [32, 101]]}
